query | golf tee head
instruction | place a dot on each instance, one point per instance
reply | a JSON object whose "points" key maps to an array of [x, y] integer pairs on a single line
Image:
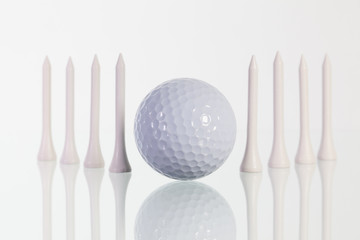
{"points": [[327, 149], [120, 161], [69, 155], [46, 151], [279, 157], [94, 158], [251, 161], [305, 154]]}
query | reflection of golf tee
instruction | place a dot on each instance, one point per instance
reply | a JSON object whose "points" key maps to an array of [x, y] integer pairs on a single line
{"points": [[120, 183], [278, 177], [251, 183], [47, 169], [305, 173], [120, 161], [251, 161], [94, 178], [278, 158], [94, 158], [327, 169], [46, 151], [70, 172]]}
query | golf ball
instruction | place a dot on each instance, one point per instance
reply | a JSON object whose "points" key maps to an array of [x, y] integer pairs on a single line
{"points": [[185, 129], [185, 210]]}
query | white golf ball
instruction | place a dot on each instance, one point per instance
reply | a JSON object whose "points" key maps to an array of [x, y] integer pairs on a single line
{"points": [[185, 210], [185, 129]]}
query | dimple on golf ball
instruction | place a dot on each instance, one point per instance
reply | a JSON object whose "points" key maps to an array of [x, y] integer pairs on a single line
{"points": [[185, 129]]}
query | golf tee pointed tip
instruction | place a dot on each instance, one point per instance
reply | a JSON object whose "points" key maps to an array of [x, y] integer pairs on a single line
{"points": [[327, 149], [253, 63], [251, 161], [326, 60], [303, 64], [95, 69], [46, 77], [120, 64], [46, 63], [278, 59], [95, 80], [95, 63], [69, 65]]}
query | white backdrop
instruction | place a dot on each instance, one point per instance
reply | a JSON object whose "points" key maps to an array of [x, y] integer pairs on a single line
{"points": [[160, 40]]}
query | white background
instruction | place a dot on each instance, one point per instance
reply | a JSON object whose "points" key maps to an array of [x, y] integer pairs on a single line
{"points": [[160, 40]]}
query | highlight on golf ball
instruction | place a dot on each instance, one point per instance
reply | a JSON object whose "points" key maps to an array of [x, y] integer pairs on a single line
{"points": [[185, 129], [185, 210]]}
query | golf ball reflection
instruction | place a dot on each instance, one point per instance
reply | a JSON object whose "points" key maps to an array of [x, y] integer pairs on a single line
{"points": [[185, 210]]}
